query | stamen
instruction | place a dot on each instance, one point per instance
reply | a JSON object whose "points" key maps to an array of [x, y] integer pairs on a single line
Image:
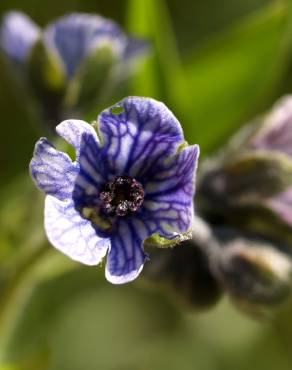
{"points": [[122, 196]]}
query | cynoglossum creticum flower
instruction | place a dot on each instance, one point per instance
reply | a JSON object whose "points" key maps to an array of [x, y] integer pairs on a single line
{"points": [[132, 178], [72, 38], [69, 63], [250, 184]]}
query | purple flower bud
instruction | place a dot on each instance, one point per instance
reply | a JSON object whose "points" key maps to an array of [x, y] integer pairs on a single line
{"points": [[275, 134]]}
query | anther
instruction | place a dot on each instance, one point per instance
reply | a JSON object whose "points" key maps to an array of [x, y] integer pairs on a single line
{"points": [[122, 196]]}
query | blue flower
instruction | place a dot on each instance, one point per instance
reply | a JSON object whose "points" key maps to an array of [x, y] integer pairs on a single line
{"points": [[132, 178], [72, 39]]}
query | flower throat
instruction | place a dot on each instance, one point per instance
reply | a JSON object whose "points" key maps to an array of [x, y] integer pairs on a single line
{"points": [[122, 196]]}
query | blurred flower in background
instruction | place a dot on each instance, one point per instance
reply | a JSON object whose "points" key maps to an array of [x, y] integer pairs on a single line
{"points": [[275, 136], [75, 63], [245, 195], [18, 36], [250, 182]]}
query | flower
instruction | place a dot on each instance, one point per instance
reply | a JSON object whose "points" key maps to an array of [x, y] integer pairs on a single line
{"points": [[76, 63], [132, 178], [250, 184], [72, 38]]}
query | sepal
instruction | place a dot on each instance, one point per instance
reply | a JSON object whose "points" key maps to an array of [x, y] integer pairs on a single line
{"points": [[45, 70], [92, 82], [159, 241], [47, 79]]}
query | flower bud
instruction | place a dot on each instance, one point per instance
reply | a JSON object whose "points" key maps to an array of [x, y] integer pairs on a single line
{"points": [[185, 268], [275, 132], [250, 184], [255, 273]]}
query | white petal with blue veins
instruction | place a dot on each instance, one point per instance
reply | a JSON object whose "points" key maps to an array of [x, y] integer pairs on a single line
{"points": [[137, 137], [75, 132], [72, 234], [126, 257], [53, 171], [169, 195]]}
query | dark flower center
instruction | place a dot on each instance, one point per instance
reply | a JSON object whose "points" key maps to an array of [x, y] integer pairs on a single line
{"points": [[122, 196]]}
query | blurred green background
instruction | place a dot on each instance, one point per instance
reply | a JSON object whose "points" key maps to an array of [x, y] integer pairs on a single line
{"points": [[216, 65]]}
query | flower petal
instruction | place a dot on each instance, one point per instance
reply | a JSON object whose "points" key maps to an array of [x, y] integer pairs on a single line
{"points": [[135, 47], [136, 133], [126, 257], [76, 35], [92, 173], [76, 132], [168, 205], [18, 34], [276, 133], [72, 234], [53, 171], [281, 204]]}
